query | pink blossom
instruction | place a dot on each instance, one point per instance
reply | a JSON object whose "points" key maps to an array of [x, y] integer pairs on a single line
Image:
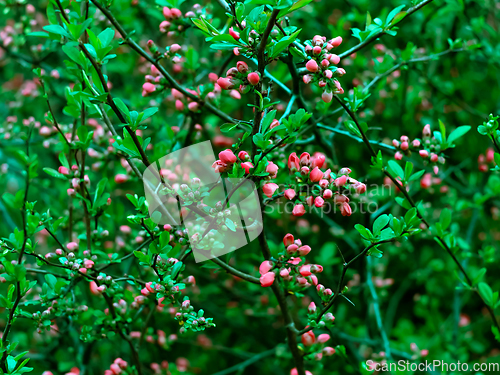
{"points": [[345, 209], [227, 156], [269, 189], [234, 34], [288, 239], [298, 210], [253, 78], [312, 66], [327, 194], [246, 166], [267, 279], [265, 267], [323, 338], [316, 175], [308, 338]]}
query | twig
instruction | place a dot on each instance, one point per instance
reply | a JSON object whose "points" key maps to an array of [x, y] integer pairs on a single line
{"points": [[379, 34]]}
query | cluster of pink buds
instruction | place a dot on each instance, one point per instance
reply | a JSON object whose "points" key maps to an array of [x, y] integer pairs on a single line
{"points": [[486, 161], [427, 181], [175, 20], [314, 347], [290, 267], [183, 103], [332, 186], [239, 77], [322, 66], [431, 148], [118, 367], [313, 312], [227, 159], [55, 309], [71, 261], [404, 146]]}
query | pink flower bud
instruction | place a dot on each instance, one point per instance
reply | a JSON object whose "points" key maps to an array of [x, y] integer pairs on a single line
{"points": [[148, 87], [225, 83], [288, 239], [304, 250], [234, 34], [227, 156], [293, 162], [395, 143], [427, 131], [284, 273], [328, 351], [179, 105], [212, 77], [298, 210], [193, 106], [174, 48], [292, 249], [246, 166], [345, 209], [319, 202], [327, 96], [323, 338], [121, 178], [307, 79], [243, 156], [398, 156], [253, 78], [434, 157], [416, 143], [167, 13], [323, 183], [242, 67], [308, 338], [265, 267], [269, 189], [424, 153], [317, 50], [334, 59], [340, 181], [336, 41], [327, 194], [316, 175], [311, 309], [312, 66], [305, 270], [267, 279], [176, 13]]}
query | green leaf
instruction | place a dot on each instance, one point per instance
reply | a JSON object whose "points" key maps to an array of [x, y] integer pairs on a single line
{"points": [[364, 232], [56, 29], [380, 223], [396, 168], [393, 14], [445, 219], [227, 127], [54, 173], [106, 37], [485, 292], [457, 133], [408, 170]]}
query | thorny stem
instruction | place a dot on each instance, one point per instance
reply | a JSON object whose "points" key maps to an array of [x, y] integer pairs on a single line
{"points": [[365, 43]]}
